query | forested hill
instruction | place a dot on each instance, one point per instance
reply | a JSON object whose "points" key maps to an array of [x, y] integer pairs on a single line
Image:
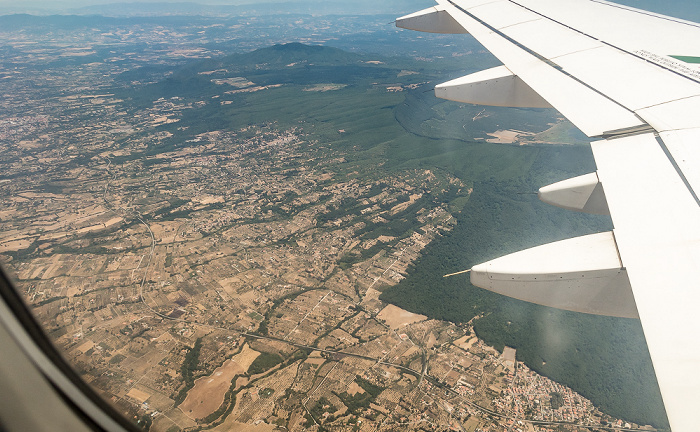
{"points": [[287, 64], [285, 55]]}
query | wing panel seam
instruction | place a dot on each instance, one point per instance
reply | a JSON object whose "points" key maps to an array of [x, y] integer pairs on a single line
{"points": [[540, 57], [602, 41], [678, 169], [519, 23], [668, 102], [647, 13]]}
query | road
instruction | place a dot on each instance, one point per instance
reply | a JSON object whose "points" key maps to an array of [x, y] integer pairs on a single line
{"points": [[422, 374]]}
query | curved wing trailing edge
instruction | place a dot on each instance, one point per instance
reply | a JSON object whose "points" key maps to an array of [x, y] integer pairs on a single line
{"points": [[631, 80]]}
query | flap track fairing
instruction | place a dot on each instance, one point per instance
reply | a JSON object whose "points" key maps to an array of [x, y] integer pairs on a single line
{"points": [[583, 194], [431, 20], [582, 274], [493, 87]]}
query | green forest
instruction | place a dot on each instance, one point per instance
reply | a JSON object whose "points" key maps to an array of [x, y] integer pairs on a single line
{"points": [[603, 358]]}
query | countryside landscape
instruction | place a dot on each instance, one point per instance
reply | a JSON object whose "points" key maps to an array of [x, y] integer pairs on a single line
{"points": [[228, 233]]}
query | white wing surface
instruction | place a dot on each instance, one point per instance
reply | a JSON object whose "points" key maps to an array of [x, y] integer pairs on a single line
{"points": [[631, 80]]}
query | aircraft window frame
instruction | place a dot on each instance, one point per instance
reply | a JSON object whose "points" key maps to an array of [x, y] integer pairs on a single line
{"points": [[75, 394]]}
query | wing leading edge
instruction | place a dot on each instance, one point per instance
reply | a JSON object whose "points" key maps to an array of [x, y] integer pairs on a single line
{"points": [[631, 80]]}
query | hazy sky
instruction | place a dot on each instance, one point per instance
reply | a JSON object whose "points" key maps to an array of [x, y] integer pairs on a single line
{"points": [[58, 5], [689, 9], [80, 3], [71, 6]]}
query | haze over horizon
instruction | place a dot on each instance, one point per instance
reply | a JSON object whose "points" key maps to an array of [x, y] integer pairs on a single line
{"points": [[199, 7], [686, 9]]}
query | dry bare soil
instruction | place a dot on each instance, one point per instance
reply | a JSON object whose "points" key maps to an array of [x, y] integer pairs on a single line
{"points": [[209, 391]]}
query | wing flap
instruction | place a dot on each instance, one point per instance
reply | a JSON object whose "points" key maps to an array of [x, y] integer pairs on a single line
{"points": [[657, 230]]}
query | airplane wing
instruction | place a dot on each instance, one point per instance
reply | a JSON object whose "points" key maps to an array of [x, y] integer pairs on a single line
{"points": [[630, 79]]}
